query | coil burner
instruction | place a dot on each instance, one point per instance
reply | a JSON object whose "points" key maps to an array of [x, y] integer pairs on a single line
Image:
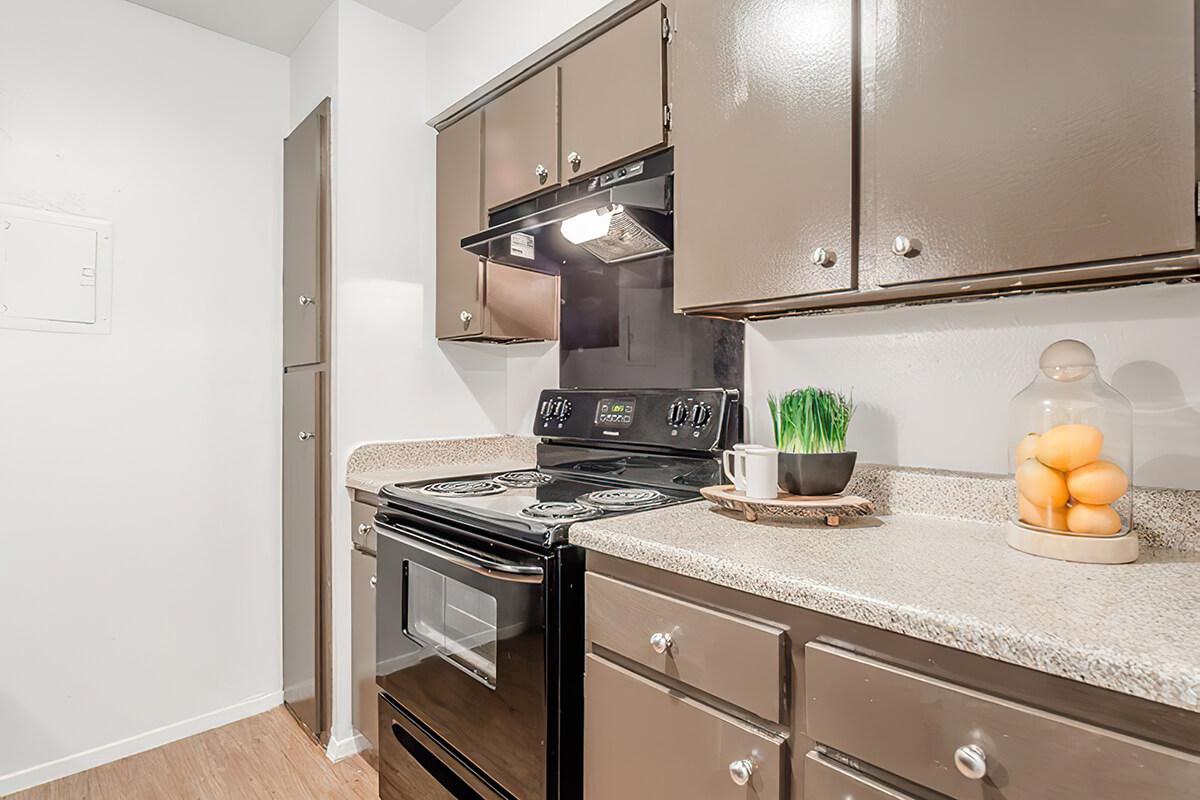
{"points": [[523, 479], [623, 499], [559, 512], [463, 488]]}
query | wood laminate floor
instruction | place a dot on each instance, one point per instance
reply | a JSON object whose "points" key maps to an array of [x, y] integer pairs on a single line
{"points": [[267, 756]]}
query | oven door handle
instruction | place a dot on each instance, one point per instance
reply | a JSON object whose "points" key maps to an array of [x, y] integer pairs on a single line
{"points": [[469, 560]]}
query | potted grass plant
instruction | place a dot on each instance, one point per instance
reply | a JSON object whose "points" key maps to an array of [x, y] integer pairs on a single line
{"points": [[810, 434]]}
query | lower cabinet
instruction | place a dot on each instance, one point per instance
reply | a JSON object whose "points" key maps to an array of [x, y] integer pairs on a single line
{"points": [[644, 740], [362, 623], [865, 714]]}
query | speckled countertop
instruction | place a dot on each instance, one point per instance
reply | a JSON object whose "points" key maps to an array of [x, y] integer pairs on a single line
{"points": [[373, 466], [1133, 628]]}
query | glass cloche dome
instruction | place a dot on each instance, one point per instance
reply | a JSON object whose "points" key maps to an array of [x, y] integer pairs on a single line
{"points": [[1070, 439]]}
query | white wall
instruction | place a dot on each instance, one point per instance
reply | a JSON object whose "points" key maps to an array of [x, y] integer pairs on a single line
{"points": [[479, 39], [139, 471], [933, 383]]}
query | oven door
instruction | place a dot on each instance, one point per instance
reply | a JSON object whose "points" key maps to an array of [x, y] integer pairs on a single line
{"points": [[461, 646]]}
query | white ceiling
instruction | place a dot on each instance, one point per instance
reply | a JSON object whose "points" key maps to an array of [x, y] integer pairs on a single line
{"points": [[279, 25]]}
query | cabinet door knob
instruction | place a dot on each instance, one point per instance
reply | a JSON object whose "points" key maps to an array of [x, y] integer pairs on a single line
{"points": [[823, 258], [304, 436], [364, 532], [741, 771], [971, 761], [305, 300], [542, 173], [904, 246], [575, 160], [660, 642], [374, 581], [466, 316]]}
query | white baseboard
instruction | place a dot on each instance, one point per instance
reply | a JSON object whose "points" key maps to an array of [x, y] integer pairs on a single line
{"points": [[344, 748], [62, 767]]}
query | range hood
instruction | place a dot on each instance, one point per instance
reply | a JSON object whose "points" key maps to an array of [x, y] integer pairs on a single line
{"points": [[619, 216]]}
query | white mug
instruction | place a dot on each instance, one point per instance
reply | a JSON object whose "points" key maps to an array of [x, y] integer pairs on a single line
{"points": [[762, 473], [734, 463]]}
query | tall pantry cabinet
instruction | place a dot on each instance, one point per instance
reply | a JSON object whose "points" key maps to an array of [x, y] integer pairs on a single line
{"points": [[306, 536]]}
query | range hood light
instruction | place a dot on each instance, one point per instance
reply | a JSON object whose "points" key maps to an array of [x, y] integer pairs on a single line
{"points": [[589, 225]]}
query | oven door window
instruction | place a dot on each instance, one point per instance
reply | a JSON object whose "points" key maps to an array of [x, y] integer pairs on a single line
{"points": [[457, 620]]}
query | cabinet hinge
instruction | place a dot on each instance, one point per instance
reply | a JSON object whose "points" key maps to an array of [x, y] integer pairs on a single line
{"points": [[667, 116], [667, 31]]}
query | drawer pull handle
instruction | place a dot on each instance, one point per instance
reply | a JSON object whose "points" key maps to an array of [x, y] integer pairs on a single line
{"points": [[971, 761], [661, 643], [741, 771]]}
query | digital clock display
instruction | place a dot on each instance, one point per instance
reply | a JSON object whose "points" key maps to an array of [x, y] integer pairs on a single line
{"points": [[615, 413]]}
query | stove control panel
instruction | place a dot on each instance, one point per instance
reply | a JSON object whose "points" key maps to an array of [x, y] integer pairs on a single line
{"points": [[688, 419]]}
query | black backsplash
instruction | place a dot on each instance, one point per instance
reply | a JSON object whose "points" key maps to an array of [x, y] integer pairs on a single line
{"points": [[619, 330]]}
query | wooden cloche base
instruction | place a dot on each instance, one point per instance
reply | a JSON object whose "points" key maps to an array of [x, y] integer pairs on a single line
{"points": [[1121, 549], [831, 509]]}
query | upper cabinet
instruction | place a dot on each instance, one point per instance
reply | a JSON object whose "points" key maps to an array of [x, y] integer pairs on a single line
{"points": [[520, 151], [459, 211], [478, 300], [1024, 134], [762, 126], [613, 95]]}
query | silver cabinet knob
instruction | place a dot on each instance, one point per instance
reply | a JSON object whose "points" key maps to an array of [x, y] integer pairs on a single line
{"points": [[575, 160], [304, 436], [823, 258], [660, 642], [542, 173], [305, 300], [741, 771], [374, 581], [364, 532], [904, 246], [971, 761], [466, 316]]}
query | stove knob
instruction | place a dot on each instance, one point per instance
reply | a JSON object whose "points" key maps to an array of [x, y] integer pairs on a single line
{"points": [[701, 415], [556, 407], [677, 414], [564, 410], [545, 408]]}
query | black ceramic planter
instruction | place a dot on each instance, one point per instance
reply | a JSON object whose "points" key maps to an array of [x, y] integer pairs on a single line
{"points": [[815, 474]]}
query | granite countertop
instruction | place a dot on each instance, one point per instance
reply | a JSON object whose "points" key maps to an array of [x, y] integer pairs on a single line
{"points": [[373, 466], [1133, 628]]}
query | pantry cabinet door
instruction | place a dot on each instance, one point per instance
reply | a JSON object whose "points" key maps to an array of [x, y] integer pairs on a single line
{"points": [[762, 125], [459, 209], [520, 153], [612, 95], [1024, 134], [305, 238]]}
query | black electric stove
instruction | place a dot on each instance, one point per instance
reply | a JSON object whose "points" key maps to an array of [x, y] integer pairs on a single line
{"points": [[480, 593]]}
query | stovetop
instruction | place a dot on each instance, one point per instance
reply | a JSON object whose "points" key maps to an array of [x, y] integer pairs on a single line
{"points": [[533, 506]]}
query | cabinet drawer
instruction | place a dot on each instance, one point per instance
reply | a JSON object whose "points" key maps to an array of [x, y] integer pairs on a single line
{"points": [[643, 740], [912, 725], [828, 780], [735, 659]]}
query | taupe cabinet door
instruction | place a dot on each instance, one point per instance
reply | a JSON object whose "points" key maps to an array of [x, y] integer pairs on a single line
{"points": [[303, 442], [303, 241], [1008, 135], [520, 153], [612, 95], [364, 709], [459, 213], [762, 115]]}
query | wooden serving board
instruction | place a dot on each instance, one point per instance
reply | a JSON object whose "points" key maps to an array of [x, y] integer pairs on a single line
{"points": [[831, 508]]}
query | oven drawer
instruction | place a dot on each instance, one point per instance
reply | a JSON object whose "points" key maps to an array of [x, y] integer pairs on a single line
{"points": [[917, 727], [412, 765], [642, 740], [735, 659], [827, 780]]}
